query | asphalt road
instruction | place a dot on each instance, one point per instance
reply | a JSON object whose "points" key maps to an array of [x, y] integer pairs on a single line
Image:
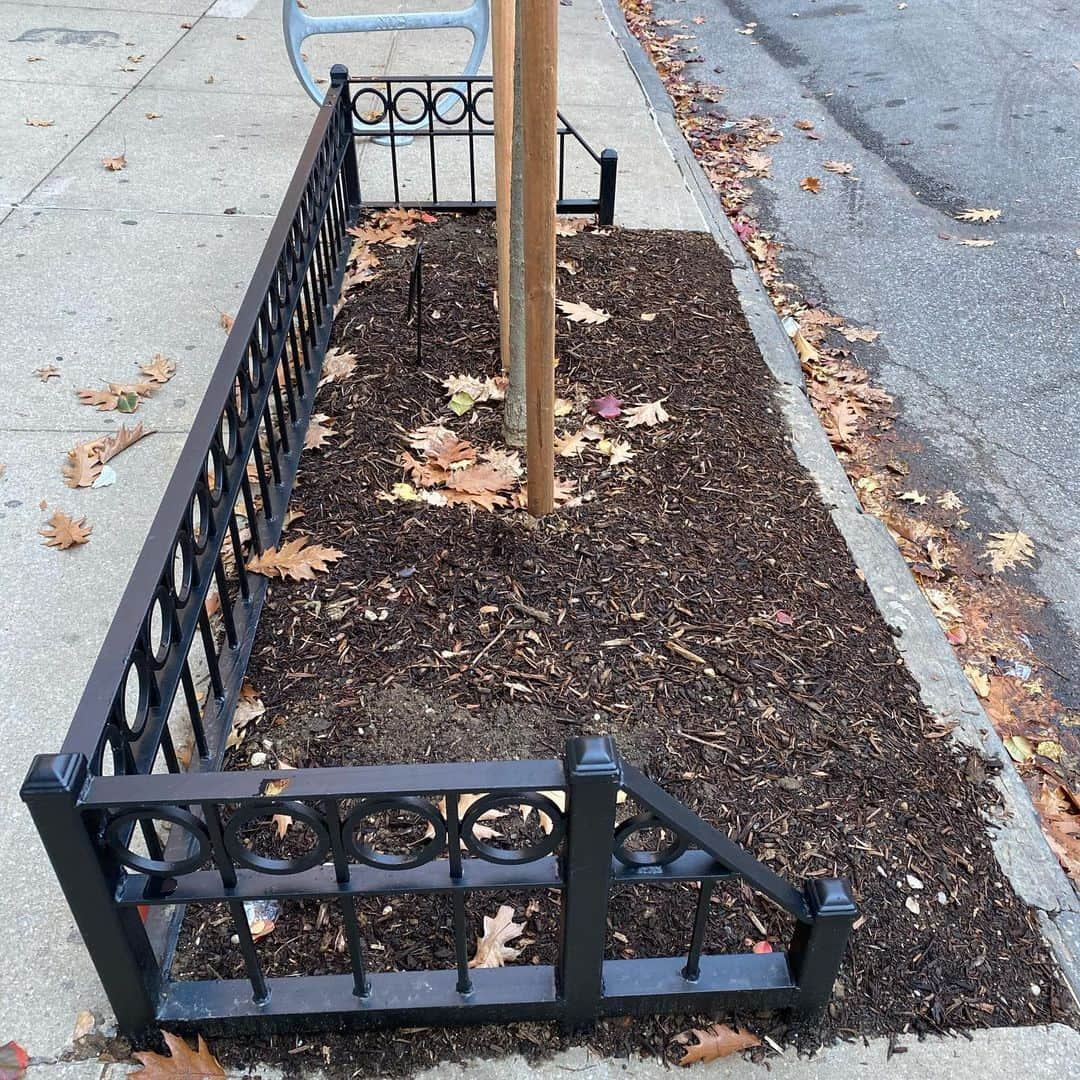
{"points": [[940, 105]]}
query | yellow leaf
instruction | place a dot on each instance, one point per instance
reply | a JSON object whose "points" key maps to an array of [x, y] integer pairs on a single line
{"points": [[1019, 748], [979, 680]]}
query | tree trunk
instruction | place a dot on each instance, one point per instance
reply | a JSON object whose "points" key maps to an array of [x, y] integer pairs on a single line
{"points": [[514, 408]]}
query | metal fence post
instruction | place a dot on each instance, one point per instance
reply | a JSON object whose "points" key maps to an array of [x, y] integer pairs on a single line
{"points": [[114, 936], [609, 169], [339, 76], [592, 775], [817, 948]]}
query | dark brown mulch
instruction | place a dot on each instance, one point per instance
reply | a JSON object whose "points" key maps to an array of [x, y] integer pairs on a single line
{"points": [[806, 742]]}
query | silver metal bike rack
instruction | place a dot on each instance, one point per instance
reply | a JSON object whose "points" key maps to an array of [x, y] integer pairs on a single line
{"points": [[298, 26]]}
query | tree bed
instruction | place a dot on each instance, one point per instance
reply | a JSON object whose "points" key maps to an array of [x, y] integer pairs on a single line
{"points": [[697, 603]]}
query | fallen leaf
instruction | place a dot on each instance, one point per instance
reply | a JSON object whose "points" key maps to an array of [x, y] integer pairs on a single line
{"points": [[296, 560], [102, 400], [805, 125], [949, 500], [492, 950], [757, 163], [619, 452], [650, 413], [718, 1041], [784, 618], [580, 312], [83, 465], [608, 407], [1007, 549], [570, 444], [118, 443], [568, 265], [647, 316], [49, 371], [62, 532], [461, 403], [913, 496], [857, 333], [842, 422], [34, 121], [182, 1064], [13, 1061], [762, 947], [569, 226], [159, 370], [980, 681], [337, 365], [226, 322], [979, 242], [318, 433], [115, 163], [1019, 748], [153, 116], [811, 184], [841, 168], [84, 1024], [982, 214]]}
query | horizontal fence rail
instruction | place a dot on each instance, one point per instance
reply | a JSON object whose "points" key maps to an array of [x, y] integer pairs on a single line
{"points": [[455, 111], [140, 823]]}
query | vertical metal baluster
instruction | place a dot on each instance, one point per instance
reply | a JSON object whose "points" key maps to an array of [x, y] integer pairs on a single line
{"points": [[168, 749], [211, 654], [249, 510], [692, 971], [310, 319], [472, 142], [353, 936], [281, 374], [296, 386], [453, 840], [260, 991], [212, 816], [154, 846], [238, 557], [272, 444], [393, 141], [562, 165], [194, 710], [264, 483], [431, 143], [225, 604]]}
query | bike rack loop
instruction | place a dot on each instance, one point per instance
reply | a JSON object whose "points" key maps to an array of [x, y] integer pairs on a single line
{"points": [[298, 26]]}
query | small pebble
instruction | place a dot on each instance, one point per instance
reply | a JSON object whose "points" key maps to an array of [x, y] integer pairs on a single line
{"points": [[1036, 989], [942, 898], [914, 882], [258, 758]]}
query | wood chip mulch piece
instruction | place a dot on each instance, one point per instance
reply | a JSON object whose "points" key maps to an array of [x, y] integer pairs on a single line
{"points": [[698, 604]]}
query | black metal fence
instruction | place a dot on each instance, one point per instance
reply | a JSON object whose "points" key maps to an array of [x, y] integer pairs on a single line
{"points": [[135, 835], [458, 111]]}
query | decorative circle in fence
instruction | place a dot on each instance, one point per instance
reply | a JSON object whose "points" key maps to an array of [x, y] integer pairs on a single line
{"points": [[241, 854], [517, 799], [178, 818], [645, 823], [361, 821]]}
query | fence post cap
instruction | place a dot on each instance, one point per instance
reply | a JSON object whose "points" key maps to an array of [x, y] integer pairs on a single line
{"points": [[54, 774], [339, 75], [609, 155], [831, 898], [592, 757]]}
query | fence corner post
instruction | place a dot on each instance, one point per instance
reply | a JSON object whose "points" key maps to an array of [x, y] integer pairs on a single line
{"points": [[609, 170], [339, 76], [114, 936], [593, 776], [817, 947]]}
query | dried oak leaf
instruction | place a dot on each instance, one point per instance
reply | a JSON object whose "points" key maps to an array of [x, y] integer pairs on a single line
{"points": [[36, 121], [102, 400], [858, 333], [479, 479], [580, 312], [296, 560], [570, 226], [118, 443], [841, 168], [83, 465], [62, 532], [140, 389], [981, 213], [649, 413], [159, 370], [115, 163], [805, 125], [49, 371], [842, 421], [183, 1063], [226, 322], [718, 1041], [318, 433], [977, 242], [337, 365], [491, 947], [811, 184], [757, 163], [1007, 549]]}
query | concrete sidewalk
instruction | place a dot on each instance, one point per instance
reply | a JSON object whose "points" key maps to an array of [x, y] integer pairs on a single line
{"points": [[100, 270]]}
